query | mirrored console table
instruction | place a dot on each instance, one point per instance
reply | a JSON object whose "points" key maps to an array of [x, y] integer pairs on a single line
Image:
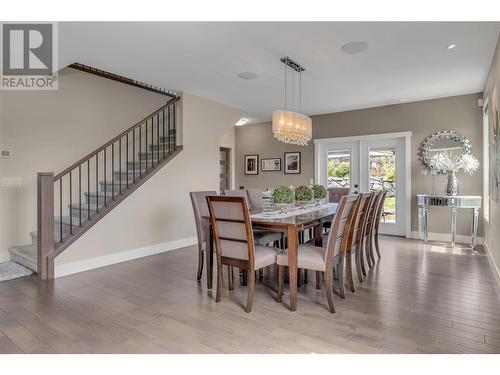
{"points": [[454, 202]]}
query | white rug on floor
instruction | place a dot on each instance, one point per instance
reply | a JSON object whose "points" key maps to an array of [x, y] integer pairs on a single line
{"points": [[11, 270]]}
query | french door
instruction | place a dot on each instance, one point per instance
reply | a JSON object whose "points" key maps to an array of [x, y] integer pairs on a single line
{"points": [[370, 163]]}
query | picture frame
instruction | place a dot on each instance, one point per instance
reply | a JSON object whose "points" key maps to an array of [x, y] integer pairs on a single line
{"points": [[251, 165], [270, 165], [292, 162]]}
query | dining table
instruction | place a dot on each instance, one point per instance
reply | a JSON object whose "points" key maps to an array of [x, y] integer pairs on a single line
{"points": [[291, 223]]}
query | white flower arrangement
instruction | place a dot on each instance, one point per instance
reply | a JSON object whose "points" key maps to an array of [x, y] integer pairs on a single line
{"points": [[446, 162]]}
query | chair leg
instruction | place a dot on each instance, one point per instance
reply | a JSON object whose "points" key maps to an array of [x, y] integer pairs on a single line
{"points": [[281, 280], [361, 254], [305, 276], [340, 268], [261, 274], [372, 254], [318, 280], [367, 251], [349, 272], [357, 260], [230, 277], [329, 289], [376, 244], [251, 286], [200, 265], [219, 282]]}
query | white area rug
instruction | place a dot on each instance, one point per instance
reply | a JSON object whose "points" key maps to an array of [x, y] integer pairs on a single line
{"points": [[11, 270]]}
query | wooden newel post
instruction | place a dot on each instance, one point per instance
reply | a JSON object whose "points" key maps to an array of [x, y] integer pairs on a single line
{"points": [[45, 224]]}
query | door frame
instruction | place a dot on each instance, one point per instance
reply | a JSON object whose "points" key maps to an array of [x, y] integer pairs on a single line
{"points": [[319, 149]]}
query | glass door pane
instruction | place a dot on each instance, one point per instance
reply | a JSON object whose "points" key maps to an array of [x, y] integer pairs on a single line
{"points": [[383, 177], [339, 169]]}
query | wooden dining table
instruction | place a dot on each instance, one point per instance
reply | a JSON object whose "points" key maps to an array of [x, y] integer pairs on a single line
{"points": [[291, 224]]}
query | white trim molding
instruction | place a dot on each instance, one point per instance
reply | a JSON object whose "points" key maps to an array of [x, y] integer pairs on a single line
{"points": [[123, 256], [366, 137], [446, 237], [493, 265]]}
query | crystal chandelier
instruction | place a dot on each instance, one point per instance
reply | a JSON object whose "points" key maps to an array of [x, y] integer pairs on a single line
{"points": [[289, 126]]}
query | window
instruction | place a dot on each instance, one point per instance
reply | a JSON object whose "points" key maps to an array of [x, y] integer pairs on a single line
{"points": [[382, 172], [339, 169]]}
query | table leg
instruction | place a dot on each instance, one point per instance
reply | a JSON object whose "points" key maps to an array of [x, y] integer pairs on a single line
{"points": [[420, 223], [475, 215], [426, 217], [453, 225], [209, 254], [292, 265]]}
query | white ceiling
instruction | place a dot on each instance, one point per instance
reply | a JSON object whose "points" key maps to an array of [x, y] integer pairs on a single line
{"points": [[403, 61]]}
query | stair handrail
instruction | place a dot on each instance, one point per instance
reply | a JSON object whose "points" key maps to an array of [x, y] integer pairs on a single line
{"points": [[115, 139]]}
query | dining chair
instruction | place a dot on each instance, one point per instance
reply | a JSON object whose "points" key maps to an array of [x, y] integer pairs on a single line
{"points": [[325, 259], [334, 196], [261, 236], [234, 242], [355, 242], [200, 209], [370, 228], [255, 198], [377, 222]]}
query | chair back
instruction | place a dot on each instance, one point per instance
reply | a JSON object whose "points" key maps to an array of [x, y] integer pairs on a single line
{"points": [[200, 209], [232, 227], [372, 212], [335, 194], [359, 221], [238, 193], [380, 209], [339, 230], [255, 198]]}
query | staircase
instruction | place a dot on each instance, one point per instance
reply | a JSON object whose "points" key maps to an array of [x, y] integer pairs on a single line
{"points": [[74, 200]]}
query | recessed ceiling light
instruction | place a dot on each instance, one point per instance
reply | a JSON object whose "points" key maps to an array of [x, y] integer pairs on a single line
{"points": [[451, 46], [248, 75], [354, 47], [242, 121]]}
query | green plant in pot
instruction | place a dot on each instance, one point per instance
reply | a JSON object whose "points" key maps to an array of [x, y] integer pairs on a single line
{"points": [[319, 192], [282, 196], [303, 194]]}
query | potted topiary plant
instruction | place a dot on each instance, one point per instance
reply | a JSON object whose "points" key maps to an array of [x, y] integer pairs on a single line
{"points": [[319, 193], [282, 196], [303, 194]]}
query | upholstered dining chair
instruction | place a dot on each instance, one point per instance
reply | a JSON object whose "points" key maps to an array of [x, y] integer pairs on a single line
{"points": [[234, 242], [255, 198], [325, 259], [261, 236], [377, 222], [355, 242], [370, 228], [200, 209], [334, 196]]}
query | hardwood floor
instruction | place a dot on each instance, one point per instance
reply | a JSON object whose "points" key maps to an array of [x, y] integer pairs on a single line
{"points": [[418, 299]]}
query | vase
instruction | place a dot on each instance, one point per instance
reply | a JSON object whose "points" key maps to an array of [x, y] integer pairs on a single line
{"points": [[452, 184], [283, 207]]}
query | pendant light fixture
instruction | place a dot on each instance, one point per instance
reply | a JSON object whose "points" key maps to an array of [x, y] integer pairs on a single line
{"points": [[289, 126]]}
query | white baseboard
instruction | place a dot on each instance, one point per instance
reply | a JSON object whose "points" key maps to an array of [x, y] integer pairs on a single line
{"points": [[494, 266], [4, 257], [106, 260], [446, 237]]}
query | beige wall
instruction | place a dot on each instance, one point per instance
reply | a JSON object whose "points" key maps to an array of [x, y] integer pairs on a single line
{"points": [[47, 131], [491, 230], [460, 113]]}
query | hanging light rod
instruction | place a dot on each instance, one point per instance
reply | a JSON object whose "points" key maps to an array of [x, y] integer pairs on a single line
{"points": [[292, 64]]}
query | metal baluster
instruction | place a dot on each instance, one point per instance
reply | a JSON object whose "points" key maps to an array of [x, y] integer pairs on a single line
{"points": [[163, 126], [88, 189], [97, 181], [106, 179], [174, 125], [113, 168], [157, 137], [127, 158], [70, 204], [168, 133], [60, 211], [140, 149], [120, 161], [80, 194], [133, 153]]}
